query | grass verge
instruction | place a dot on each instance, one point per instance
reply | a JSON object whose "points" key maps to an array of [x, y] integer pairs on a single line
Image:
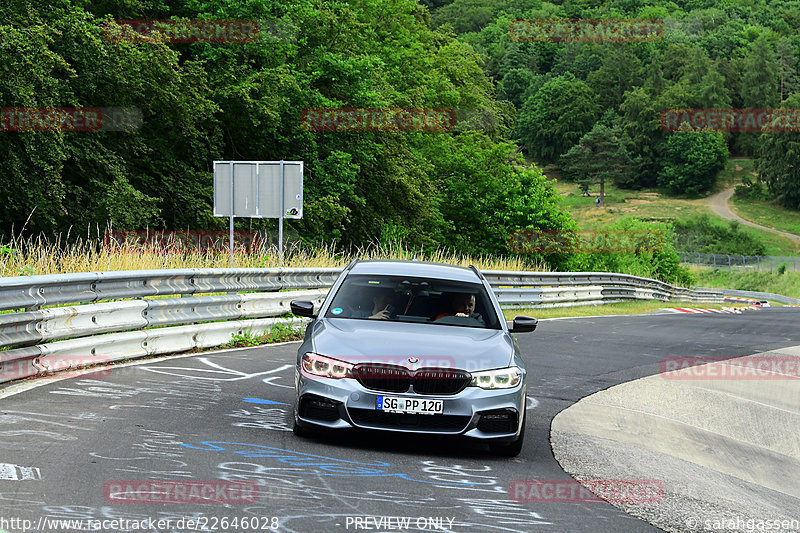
{"points": [[767, 214], [787, 284], [278, 333], [622, 308], [31, 257]]}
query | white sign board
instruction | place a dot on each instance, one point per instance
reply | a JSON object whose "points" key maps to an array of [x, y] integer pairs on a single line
{"points": [[256, 189]]}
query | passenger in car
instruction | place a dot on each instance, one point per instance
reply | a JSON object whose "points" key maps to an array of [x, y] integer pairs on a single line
{"points": [[382, 306]]}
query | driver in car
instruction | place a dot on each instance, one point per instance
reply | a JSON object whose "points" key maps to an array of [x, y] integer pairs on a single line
{"points": [[462, 304]]}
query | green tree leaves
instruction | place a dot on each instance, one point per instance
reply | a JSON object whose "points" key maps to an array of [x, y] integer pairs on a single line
{"points": [[777, 162], [556, 117], [213, 101], [600, 155], [693, 159]]}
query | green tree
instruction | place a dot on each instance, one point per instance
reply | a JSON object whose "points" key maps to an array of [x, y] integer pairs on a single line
{"points": [[711, 90], [692, 161], [514, 85], [777, 162], [760, 76], [787, 65], [556, 117], [56, 55], [487, 192], [599, 156], [643, 137], [619, 72]]}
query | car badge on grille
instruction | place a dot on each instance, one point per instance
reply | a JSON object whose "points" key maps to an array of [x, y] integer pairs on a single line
{"points": [[413, 360]]}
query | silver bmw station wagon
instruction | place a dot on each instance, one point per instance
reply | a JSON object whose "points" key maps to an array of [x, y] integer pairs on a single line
{"points": [[410, 346]]}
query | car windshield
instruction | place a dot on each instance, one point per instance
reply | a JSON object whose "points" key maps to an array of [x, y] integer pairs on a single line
{"points": [[414, 299]]}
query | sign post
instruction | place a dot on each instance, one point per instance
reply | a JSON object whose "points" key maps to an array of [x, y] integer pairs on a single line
{"points": [[258, 189]]}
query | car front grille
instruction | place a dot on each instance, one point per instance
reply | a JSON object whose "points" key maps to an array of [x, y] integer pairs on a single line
{"points": [[380, 419], [440, 381], [394, 378], [381, 377]]}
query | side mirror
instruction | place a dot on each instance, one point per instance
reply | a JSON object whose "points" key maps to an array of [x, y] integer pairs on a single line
{"points": [[303, 308], [523, 324]]}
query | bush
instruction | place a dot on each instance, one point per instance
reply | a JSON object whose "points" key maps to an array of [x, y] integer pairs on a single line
{"points": [[692, 161], [702, 234], [752, 190], [654, 256]]}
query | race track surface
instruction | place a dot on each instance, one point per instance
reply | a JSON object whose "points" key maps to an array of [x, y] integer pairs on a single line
{"points": [[227, 416]]}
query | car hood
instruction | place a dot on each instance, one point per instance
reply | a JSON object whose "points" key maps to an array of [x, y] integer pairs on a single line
{"points": [[466, 348]]}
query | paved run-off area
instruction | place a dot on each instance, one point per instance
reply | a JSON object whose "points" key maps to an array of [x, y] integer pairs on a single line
{"points": [[721, 437], [227, 416]]}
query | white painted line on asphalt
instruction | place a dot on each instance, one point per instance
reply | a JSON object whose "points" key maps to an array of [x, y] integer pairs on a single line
{"points": [[6, 391]]}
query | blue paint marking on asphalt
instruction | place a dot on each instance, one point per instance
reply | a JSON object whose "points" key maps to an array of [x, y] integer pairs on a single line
{"points": [[259, 400], [314, 464]]}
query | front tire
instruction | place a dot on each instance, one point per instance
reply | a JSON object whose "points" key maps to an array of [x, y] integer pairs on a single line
{"points": [[298, 430], [511, 449]]}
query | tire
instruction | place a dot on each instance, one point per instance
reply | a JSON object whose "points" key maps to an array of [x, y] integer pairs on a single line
{"points": [[299, 431], [511, 449]]}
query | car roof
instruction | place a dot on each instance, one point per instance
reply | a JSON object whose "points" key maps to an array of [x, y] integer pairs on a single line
{"points": [[425, 269]]}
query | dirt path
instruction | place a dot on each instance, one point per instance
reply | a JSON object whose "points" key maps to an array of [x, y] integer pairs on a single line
{"points": [[719, 205]]}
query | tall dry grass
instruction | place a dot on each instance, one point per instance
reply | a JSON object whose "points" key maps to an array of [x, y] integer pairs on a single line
{"points": [[25, 257]]}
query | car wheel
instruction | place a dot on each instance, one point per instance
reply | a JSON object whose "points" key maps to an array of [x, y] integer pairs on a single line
{"points": [[510, 449], [298, 430]]}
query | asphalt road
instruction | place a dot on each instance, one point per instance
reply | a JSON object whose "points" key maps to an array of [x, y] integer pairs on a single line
{"points": [[719, 205], [227, 416]]}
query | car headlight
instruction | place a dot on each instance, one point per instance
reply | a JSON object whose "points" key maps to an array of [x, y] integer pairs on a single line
{"points": [[326, 367], [501, 378]]}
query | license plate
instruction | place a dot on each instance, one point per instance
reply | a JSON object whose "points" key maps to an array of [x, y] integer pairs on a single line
{"points": [[420, 406]]}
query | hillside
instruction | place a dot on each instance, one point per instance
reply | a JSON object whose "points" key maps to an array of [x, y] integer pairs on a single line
{"points": [[654, 204]]}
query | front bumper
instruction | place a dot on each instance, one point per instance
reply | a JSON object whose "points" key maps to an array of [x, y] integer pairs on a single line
{"points": [[473, 412]]}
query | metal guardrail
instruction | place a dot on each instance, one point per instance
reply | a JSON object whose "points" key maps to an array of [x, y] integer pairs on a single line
{"points": [[32, 292], [730, 262], [99, 331], [582, 287], [757, 295]]}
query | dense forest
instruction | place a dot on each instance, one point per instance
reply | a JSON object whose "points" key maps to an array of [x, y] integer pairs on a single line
{"points": [[710, 54], [466, 188]]}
